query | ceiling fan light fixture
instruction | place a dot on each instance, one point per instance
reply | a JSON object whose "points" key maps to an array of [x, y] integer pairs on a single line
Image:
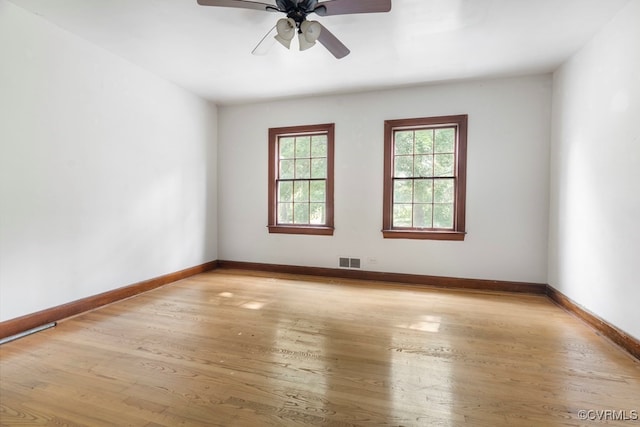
{"points": [[309, 33], [297, 12], [286, 29]]}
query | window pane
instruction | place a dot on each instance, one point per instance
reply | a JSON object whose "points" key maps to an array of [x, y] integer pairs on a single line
{"points": [[443, 191], [316, 213], [303, 146], [402, 215], [301, 191], [285, 191], [443, 216], [423, 191], [318, 191], [319, 168], [423, 166], [301, 213], [319, 146], [303, 168], [445, 139], [286, 169], [403, 142], [444, 164], [422, 215], [402, 191], [424, 141], [286, 148], [285, 213], [403, 167]]}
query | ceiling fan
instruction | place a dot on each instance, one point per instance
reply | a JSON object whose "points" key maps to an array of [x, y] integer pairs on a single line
{"points": [[296, 20]]}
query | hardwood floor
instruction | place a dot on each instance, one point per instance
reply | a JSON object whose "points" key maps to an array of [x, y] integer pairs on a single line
{"points": [[234, 348]]}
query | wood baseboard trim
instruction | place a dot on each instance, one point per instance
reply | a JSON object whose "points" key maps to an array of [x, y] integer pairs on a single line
{"points": [[412, 279], [54, 314], [20, 324], [623, 340]]}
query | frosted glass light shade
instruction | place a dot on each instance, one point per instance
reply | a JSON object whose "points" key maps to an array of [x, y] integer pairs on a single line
{"points": [[286, 29], [309, 33]]}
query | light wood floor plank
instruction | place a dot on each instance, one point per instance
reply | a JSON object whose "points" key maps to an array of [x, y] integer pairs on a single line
{"points": [[234, 348]]}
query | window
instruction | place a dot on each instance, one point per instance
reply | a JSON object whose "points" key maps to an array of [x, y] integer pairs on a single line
{"points": [[425, 178], [301, 179]]}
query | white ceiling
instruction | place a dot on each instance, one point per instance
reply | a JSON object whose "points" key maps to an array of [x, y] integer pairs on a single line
{"points": [[206, 50]]}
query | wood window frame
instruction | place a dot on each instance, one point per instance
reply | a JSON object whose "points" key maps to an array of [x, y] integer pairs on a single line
{"points": [[460, 175], [325, 229]]}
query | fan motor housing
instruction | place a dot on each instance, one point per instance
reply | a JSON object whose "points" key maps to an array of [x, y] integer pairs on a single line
{"points": [[297, 11]]}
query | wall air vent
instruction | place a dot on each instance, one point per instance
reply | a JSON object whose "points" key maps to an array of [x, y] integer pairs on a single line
{"points": [[346, 262]]}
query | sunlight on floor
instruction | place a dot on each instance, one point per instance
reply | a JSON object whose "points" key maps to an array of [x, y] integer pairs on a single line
{"points": [[252, 305], [425, 324], [414, 386]]}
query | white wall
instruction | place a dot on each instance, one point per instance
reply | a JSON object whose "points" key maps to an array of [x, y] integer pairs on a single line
{"points": [[107, 172], [594, 241], [507, 194]]}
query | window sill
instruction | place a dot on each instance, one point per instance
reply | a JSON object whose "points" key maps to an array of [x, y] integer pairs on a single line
{"points": [[424, 235], [320, 230]]}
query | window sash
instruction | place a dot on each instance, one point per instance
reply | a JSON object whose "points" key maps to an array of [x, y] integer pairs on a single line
{"points": [[433, 203], [306, 199], [413, 152]]}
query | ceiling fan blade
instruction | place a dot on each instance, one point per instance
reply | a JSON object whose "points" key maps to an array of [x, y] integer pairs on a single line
{"points": [[243, 4], [264, 45], [344, 7], [332, 43]]}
